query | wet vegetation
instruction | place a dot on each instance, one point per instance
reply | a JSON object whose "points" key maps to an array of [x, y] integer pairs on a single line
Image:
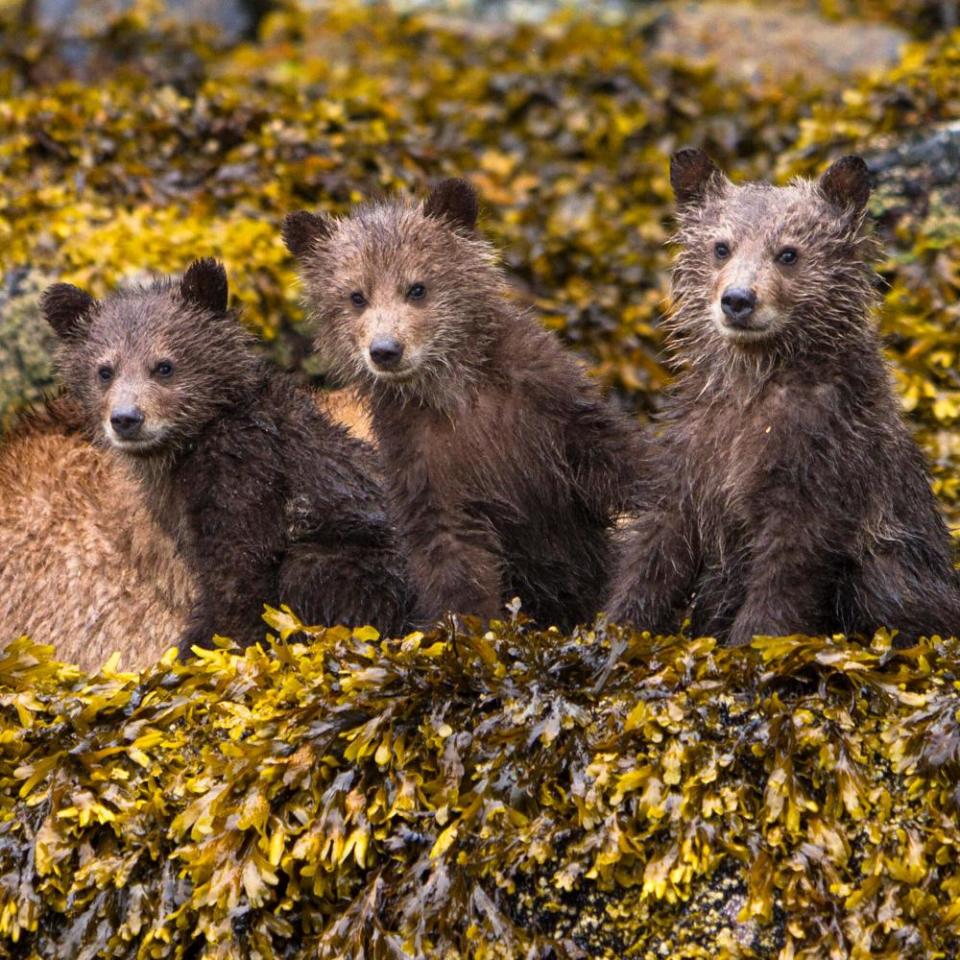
{"points": [[462, 794], [508, 794]]}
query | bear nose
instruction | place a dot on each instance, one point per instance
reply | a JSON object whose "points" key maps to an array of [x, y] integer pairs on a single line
{"points": [[126, 422], [737, 304], [386, 352]]}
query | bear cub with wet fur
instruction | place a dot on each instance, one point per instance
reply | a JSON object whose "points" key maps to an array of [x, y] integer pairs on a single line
{"points": [[786, 493], [264, 497], [505, 468]]}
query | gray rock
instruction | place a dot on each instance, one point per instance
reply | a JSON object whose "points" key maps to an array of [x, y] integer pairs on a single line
{"points": [[80, 18], [913, 171], [761, 44], [502, 11]]}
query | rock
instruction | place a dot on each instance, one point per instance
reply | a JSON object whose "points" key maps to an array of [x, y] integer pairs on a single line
{"points": [[233, 19], [26, 368], [762, 44], [920, 175], [470, 12]]}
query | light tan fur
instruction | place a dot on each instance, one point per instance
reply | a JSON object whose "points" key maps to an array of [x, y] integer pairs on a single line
{"points": [[352, 411]]}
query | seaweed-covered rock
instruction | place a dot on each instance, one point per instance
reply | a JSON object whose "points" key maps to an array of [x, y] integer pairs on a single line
{"points": [[503, 794], [457, 794], [564, 128]]}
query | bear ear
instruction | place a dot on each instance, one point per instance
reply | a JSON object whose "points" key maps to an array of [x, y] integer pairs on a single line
{"points": [[302, 230], [68, 310], [455, 201], [205, 284], [693, 175], [846, 183]]}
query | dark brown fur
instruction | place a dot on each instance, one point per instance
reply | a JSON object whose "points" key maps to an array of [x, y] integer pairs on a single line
{"points": [[266, 499], [505, 468], [786, 491]]}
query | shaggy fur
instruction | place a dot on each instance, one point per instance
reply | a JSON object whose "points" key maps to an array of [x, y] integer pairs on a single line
{"points": [[264, 497], [785, 490], [83, 566], [505, 468]]}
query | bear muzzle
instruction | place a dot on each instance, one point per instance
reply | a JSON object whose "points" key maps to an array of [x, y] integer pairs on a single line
{"points": [[386, 352], [126, 422]]}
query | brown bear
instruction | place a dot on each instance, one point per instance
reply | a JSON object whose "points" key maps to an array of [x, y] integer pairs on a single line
{"points": [[785, 490], [264, 496], [77, 570], [505, 468]]}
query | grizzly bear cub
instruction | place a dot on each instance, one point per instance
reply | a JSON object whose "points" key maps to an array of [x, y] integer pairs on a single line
{"points": [[265, 498], [786, 492], [505, 468]]}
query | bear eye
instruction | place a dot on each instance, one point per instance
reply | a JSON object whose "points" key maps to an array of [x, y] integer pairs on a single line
{"points": [[721, 251], [787, 255], [357, 298], [105, 373], [417, 292], [163, 369]]}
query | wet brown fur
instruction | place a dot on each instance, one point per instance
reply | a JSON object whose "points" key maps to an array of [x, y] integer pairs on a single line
{"points": [[76, 571], [265, 498], [786, 492], [505, 468]]}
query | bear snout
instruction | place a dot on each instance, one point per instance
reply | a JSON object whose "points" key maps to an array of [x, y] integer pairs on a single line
{"points": [[738, 304], [126, 422], [386, 352]]}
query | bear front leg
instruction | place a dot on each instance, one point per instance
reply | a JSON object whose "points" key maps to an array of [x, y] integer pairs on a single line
{"points": [[903, 592], [656, 570], [234, 580], [790, 581], [199, 630], [455, 567], [239, 621], [347, 584]]}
